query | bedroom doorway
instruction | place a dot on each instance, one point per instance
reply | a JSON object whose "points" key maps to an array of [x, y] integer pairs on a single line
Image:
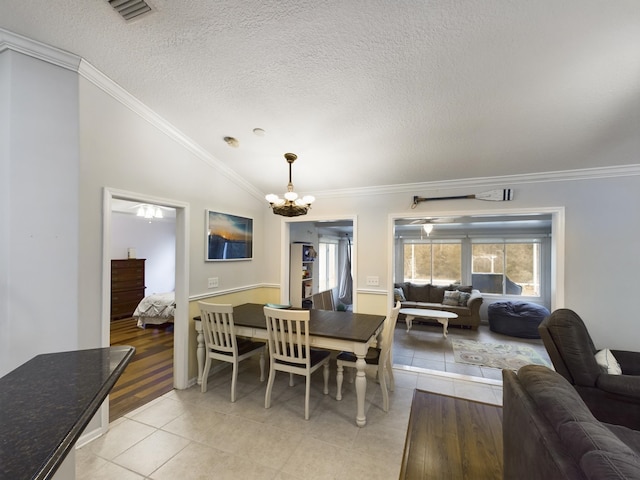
{"points": [[143, 245], [161, 360]]}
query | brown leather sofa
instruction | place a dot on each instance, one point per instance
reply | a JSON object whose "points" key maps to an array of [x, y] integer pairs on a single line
{"points": [[611, 398], [549, 433], [431, 297]]}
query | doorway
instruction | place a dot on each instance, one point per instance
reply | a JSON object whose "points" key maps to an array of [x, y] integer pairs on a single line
{"points": [[180, 324], [321, 230]]}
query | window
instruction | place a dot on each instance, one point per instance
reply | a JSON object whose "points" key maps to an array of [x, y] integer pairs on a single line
{"points": [[327, 265], [435, 262], [506, 267]]}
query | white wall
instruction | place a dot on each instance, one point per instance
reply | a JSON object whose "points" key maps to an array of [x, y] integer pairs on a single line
{"points": [[601, 254], [153, 240], [147, 161], [39, 206]]}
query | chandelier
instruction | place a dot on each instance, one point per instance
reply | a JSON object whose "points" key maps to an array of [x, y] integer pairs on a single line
{"points": [[290, 205], [149, 211]]}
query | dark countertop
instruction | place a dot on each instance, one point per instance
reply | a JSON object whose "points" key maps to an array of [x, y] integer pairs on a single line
{"points": [[46, 403]]}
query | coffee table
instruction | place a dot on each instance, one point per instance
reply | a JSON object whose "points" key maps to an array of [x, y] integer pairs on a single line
{"points": [[440, 315]]}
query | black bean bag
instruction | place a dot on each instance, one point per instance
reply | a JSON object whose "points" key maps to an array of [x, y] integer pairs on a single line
{"points": [[516, 319]]}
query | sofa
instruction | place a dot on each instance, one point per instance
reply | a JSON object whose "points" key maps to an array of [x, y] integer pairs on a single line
{"points": [[459, 299], [549, 433]]}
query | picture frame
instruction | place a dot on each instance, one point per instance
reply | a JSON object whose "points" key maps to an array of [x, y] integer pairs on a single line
{"points": [[227, 237]]}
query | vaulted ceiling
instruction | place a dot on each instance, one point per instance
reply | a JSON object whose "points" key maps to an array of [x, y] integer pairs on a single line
{"points": [[375, 92]]}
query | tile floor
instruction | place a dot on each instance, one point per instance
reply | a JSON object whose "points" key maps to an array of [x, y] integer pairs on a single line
{"points": [[186, 434], [425, 347]]}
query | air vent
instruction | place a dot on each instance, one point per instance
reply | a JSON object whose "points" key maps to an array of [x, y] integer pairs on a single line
{"points": [[130, 9]]}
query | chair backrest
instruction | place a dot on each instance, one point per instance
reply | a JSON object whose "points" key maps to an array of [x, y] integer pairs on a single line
{"points": [[385, 338], [218, 327], [570, 347], [288, 335]]}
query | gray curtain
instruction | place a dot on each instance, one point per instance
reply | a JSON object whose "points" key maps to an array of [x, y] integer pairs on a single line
{"points": [[345, 293]]}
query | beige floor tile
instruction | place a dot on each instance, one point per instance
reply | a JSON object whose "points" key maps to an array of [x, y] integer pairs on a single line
{"points": [[122, 436], [152, 452], [159, 413]]}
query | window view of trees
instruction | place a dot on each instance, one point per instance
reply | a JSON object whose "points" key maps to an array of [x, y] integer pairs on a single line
{"points": [[435, 263], [507, 268]]}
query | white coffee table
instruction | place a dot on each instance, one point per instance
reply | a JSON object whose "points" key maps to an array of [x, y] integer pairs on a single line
{"points": [[440, 315]]}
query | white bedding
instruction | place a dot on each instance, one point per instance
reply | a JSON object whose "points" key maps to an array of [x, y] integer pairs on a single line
{"points": [[155, 309]]}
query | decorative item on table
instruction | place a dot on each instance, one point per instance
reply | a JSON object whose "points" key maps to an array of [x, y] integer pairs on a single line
{"points": [[290, 205], [309, 254]]}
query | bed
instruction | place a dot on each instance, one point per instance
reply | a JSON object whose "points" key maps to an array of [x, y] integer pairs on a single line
{"points": [[155, 309]]}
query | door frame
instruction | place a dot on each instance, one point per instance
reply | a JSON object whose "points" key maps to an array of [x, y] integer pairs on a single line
{"points": [[557, 243], [181, 323], [285, 235]]}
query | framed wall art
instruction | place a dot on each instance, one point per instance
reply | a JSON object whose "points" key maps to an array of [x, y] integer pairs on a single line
{"points": [[228, 237]]}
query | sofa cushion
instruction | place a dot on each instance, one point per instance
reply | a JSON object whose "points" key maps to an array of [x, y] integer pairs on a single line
{"points": [[463, 299], [398, 295], [451, 298], [461, 288], [585, 437], [419, 293], [436, 295], [554, 395], [601, 465]]}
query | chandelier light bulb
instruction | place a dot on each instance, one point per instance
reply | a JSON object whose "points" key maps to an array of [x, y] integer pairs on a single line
{"points": [[290, 205]]}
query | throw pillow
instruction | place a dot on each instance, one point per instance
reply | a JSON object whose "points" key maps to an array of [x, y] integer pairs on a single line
{"points": [[437, 294], [398, 295], [463, 299], [451, 298], [608, 362]]}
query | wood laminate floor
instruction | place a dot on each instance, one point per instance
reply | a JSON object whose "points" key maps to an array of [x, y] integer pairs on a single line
{"points": [[452, 438], [150, 373]]}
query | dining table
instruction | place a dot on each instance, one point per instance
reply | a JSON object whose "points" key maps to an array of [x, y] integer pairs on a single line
{"points": [[328, 329]]}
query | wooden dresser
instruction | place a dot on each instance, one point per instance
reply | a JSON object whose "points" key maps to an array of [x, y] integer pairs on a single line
{"points": [[127, 286]]}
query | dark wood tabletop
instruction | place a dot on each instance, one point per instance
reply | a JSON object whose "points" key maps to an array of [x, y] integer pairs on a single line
{"points": [[357, 327]]}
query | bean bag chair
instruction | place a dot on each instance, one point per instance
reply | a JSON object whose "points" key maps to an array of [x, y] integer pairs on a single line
{"points": [[516, 319]]}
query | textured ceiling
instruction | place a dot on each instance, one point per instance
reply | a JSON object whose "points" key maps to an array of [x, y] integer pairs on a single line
{"points": [[372, 92]]}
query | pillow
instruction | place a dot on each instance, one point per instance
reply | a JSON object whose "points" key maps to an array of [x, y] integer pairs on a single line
{"points": [[436, 295], [463, 298], [608, 362], [451, 298], [398, 295]]}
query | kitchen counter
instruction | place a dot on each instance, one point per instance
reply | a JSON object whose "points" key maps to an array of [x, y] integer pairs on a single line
{"points": [[46, 403]]}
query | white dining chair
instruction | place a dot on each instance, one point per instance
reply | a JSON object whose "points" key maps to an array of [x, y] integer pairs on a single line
{"points": [[222, 344], [378, 358], [289, 350]]}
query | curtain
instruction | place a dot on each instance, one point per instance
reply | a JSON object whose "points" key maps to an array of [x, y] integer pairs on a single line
{"points": [[345, 293]]}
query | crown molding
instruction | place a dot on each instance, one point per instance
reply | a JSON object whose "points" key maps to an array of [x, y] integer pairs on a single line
{"points": [[504, 180], [18, 43], [55, 56], [100, 80], [61, 58]]}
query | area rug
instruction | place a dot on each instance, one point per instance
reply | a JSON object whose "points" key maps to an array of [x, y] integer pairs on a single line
{"points": [[495, 355]]}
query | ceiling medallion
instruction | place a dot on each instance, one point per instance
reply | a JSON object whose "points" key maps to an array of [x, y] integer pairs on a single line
{"points": [[290, 205]]}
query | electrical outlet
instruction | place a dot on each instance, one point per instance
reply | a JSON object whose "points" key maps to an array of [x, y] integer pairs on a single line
{"points": [[373, 281], [212, 282]]}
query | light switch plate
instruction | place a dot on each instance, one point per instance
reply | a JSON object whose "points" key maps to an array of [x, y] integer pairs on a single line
{"points": [[373, 281]]}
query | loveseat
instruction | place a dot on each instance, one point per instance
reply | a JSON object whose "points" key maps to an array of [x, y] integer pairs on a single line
{"points": [[549, 433], [455, 298]]}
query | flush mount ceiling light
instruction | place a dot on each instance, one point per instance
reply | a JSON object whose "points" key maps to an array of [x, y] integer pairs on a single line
{"points": [[428, 228], [149, 211], [290, 205]]}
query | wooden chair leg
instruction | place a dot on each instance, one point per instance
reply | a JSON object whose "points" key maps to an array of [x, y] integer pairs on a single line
{"points": [[205, 374], [307, 392], [339, 377], [325, 374], [267, 395], [262, 366], [234, 381]]}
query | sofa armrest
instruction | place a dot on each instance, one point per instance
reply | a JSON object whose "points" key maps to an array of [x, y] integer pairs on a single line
{"points": [[627, 385], [629, 361]]}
